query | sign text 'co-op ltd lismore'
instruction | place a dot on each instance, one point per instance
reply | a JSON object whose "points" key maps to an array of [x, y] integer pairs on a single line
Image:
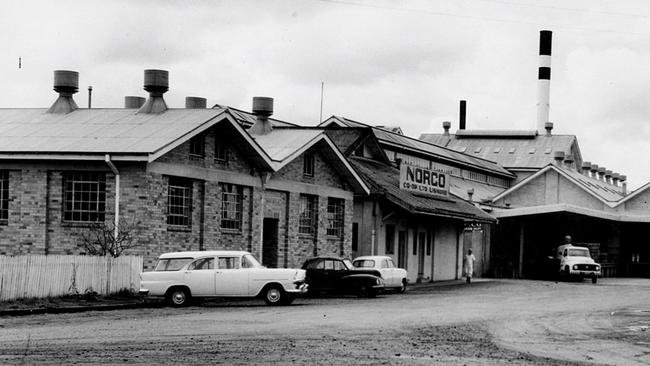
{"points": [[432, 182]]}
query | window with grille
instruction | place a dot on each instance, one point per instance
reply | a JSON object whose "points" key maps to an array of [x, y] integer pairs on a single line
{"points": [[197, 147], [390, 239], [307, 221], [84, 196], [335, 216], [179, 202], [4, 195], [308, 165], [231, 206], [220, 151]]}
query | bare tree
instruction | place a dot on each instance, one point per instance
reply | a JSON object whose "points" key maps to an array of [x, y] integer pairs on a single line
{"points": [[100, 239]]}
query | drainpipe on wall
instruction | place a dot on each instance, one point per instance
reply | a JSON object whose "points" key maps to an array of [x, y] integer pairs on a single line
{"points": [[373, 234], [110, 164], [264, 177]]}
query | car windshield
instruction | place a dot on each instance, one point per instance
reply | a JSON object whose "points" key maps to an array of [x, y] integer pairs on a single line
{"points": [[364, 263], [171, 264], [248, 261], [574, 252], [348, 264]]}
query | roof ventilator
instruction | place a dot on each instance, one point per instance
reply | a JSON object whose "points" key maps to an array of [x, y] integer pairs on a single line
{"points": [[156, 82], [133, 102], [594, 171], [66, 83], [262, 109], [549, 127], [586, 167], [195, 103], [558, 156], [446, 125]]}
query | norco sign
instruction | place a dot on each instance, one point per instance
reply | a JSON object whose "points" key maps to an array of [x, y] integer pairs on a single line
{"points": [[425, 181]]}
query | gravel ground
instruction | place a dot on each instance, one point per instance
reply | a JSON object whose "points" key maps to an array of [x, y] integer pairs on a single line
{"points": [[487, 323]]}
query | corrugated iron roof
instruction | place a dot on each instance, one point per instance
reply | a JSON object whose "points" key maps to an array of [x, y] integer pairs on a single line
{"points": [[279, 144], [482, 192], [509, 150], [384, 180], [606, 191], [428, 148], [96, 130]]}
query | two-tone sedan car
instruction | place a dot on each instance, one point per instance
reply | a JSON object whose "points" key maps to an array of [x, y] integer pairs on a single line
{"points": [[394, 278], [181, 276], [336, 275]]}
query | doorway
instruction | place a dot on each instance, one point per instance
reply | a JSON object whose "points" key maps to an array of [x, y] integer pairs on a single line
{"points": [[270, 242], [421, 238]]}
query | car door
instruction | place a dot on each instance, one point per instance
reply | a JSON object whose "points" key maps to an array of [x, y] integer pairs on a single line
{"points": [[387, 273], [393, 273], [231, 278], [200, 276], [316, 275]]}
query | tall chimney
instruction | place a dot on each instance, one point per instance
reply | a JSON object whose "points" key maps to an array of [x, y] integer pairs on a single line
{"points": [[462, 115], [262, 109], [156, 82], [195, 102], [446, 125], [133, 102], [544, 79], [66, 83]]}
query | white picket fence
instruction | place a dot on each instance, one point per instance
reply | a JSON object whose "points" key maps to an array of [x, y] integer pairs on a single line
{"points": [[28, 276]]}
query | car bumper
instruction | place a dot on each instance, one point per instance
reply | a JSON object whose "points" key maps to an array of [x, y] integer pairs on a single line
{"points": [[143, 292], [300, 289], [585, 273]]}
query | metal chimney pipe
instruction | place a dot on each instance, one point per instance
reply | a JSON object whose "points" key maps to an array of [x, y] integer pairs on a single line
{"points": [[623, 179], [544, 79], [66, 83], [463, 115], [90, 96]]}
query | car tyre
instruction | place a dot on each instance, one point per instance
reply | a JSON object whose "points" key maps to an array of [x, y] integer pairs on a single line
{"points": [[274, 295], [178, 297], [402, 289], [367, 291]]}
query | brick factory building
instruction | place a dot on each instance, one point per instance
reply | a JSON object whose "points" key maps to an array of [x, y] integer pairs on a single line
{"points": [[180, 178]]}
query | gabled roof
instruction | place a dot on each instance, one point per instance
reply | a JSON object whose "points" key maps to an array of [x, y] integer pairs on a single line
{"points": [[602, 191], [349, 139], [511, 149], [384, 181], [442, 154]]}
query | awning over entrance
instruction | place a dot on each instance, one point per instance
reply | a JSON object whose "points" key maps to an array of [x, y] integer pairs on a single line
{"points": [[384, 180]]}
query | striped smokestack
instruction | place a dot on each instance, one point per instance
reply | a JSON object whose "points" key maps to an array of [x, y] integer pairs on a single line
{"points": [[543, 79]]}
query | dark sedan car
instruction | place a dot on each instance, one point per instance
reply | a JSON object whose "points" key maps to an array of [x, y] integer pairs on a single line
{"points": [[336, 275]]}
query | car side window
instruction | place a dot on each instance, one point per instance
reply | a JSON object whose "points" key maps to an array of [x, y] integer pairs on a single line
{"points": [[384, 264], [389, 263], [246, 263], [565, 252], [202, 264], [339, 266], [329, 264], [228, 262]]}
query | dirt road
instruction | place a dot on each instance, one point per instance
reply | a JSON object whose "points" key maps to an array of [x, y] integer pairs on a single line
{"points": [[492, 322]]}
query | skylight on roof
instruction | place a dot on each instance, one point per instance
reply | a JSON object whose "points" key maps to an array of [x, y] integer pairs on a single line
{"points": [[532, 150], [512, 150], [548, 150], [462, 149], [497, 150], [477, 150]]}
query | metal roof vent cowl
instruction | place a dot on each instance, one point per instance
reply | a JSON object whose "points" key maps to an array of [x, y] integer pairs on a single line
{"points": [[549, 127], [601, 173], [623, 179], [608, 176], [615, 178], [156, 82], [594, 171], [66, 83], [195, 103], [558, 156], [446, 125], [568, 161], [262, 109], [133, 102], [586, 167]]}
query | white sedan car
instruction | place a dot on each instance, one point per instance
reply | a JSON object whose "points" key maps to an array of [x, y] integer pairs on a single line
{"points": [[180, 276], [394, 278]]}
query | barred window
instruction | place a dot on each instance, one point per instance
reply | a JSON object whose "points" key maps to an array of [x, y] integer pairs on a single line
{"points": [[4, 195], [84, 196], [197, 147], [231, 206], [307, 221], [335, 210], [179, 202], [308, 165], [220, 151]]}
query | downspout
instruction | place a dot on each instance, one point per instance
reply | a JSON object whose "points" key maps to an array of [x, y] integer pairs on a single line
{"points": [[373, 234], [107, 159]]}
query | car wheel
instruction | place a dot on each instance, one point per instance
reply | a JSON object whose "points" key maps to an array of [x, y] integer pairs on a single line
{"points": [[402, 288], [274, 295], [367, 291], [594, 279], [178, 297]]}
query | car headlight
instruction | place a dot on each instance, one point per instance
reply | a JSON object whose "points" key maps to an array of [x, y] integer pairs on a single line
{"points": [[575, 266], [597, 268]]}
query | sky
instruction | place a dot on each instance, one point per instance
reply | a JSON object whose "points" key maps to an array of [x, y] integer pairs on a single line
{"points": [[397, 63]]}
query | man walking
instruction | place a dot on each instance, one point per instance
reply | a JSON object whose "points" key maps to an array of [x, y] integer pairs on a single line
{"points": [[469, 265]]}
